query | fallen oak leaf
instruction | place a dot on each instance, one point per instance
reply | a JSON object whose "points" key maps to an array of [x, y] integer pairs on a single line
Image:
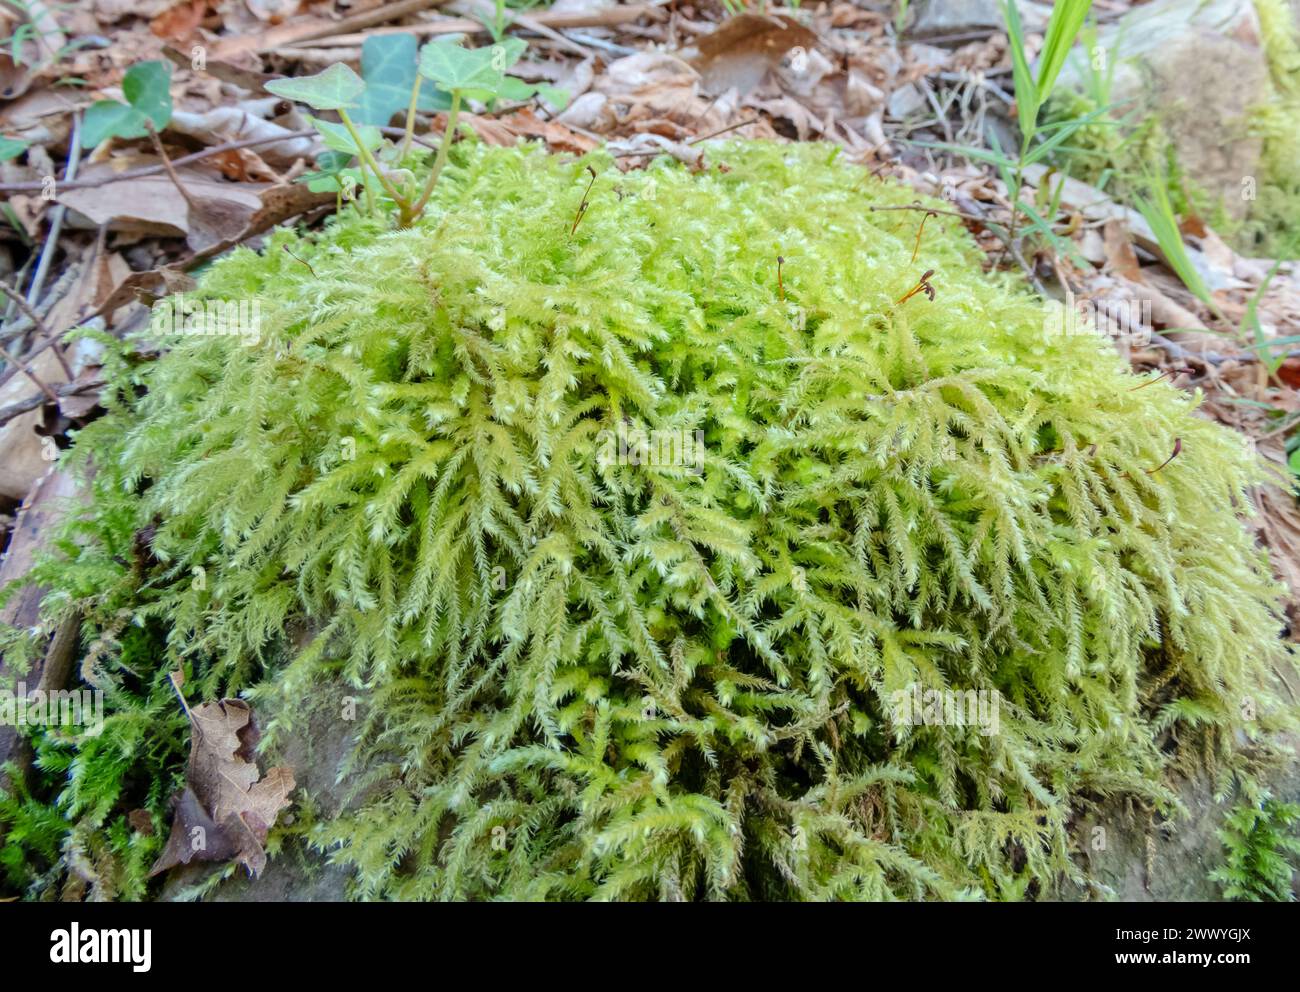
{"points": [[227, 808], [741, 51], [195, 836]]}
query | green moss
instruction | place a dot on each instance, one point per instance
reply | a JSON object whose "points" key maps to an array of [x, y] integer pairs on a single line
{"points": [[581, 678], [1261, 845]]}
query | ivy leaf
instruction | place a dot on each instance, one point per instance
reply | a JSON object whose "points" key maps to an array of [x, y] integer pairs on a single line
{"points": [[556, 97], [147, 88], [337, 88], [388, 67], [337, 138], [477, 72], [512, 88], [332, 181], [330, 165], [11, 148]]}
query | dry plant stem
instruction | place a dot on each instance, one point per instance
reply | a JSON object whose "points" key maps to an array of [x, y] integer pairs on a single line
{"points": [[8, 314], [934, 210], [409, 217], [301, 260], [25, 308], [275, 36], [922, 286], [693, 141], [153, 170], [173, 678], [167, 165], [7, 355], [609, 17], [7, 413], [582, 207], [919, 231], [57, 215]]}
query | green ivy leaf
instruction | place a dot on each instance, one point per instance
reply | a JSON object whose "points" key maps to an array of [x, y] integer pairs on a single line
{"points": [[332, 182], [557, 98], [11, 148], [478, 73], [337, 88], [388, 65], [337, 138], [147, 88], [329, 165]]}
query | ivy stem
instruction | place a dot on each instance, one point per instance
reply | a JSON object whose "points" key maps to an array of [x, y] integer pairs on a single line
{"points": [[410, 117], [438, 162], [369, 159]]}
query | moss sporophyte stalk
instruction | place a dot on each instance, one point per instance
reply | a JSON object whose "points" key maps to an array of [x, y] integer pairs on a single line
{"points": [[585, 674]]}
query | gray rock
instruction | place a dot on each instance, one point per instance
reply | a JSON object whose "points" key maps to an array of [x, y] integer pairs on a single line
{"points": [[1199, 66], [943, 17], [317, 749], [1134, 860]]}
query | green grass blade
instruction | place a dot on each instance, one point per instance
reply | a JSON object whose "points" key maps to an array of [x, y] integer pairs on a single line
{"points": [[1027, 102], [1159, 213], [1067, 18]]}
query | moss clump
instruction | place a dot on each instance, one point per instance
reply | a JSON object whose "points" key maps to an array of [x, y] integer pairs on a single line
{"points": [[581, 677]]}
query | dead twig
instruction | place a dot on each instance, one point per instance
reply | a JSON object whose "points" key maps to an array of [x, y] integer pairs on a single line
{"points": [[609, 17], [25, 308], [8, 356], [167, 165], [7, 413], [57, 214], [154, 170]]}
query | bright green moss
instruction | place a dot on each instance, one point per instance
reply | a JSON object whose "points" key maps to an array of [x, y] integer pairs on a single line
{"points": [[582, 679]]}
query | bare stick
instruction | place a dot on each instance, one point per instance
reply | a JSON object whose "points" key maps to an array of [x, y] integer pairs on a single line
{"points": [[57, 215], [167, 164], [7, 413], [153, 170], [7, 355], [40, 326]]}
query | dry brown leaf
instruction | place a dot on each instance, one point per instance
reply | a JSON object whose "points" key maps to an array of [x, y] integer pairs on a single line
{"points": [[1121, 259], [181, 22], [525, 124], [741, 51], [194, 836], [227, 808], [153, 205]]}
